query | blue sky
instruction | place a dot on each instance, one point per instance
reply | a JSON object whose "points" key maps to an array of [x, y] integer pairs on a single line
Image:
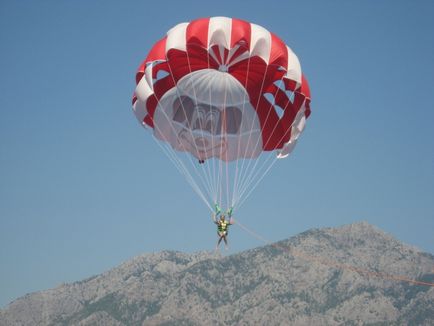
{"points": [[83, 187]]}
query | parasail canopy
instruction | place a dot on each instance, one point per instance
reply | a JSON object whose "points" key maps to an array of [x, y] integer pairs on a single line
{"points": [[221, 95]]}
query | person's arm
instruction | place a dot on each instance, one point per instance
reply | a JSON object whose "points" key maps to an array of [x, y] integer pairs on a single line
{"points": [[213, 216], [217, 209], [231, 221], [216, 214]]}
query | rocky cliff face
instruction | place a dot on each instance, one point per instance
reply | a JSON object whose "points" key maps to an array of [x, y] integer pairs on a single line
{"points": [[306, 280]]}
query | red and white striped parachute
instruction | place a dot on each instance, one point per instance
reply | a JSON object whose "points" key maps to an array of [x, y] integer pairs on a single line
{"points": [[225, 90]]}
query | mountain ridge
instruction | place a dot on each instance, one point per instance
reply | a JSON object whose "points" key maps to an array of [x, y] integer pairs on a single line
{"points": [[263, 285]]}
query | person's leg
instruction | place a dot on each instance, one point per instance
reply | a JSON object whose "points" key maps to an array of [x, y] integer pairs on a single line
{"points": [[226, 240], [219, 240]]}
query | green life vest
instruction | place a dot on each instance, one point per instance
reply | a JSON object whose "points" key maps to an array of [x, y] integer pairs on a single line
{"points": [[222, 226]]}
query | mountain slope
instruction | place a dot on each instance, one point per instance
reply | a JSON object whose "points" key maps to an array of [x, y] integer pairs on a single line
{"points": [[263, 286]]}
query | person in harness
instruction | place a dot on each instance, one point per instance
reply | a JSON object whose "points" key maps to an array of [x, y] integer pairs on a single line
{"points": [[222, 226]]}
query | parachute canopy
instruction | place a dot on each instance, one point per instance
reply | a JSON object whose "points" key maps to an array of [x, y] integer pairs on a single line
{"points": [[222, 89]]}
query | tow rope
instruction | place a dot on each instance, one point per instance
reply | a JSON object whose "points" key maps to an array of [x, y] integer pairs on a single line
{"points": [[327, 262]]}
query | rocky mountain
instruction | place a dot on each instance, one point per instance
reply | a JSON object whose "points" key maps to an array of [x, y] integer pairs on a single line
{"points": [[332, 276]]}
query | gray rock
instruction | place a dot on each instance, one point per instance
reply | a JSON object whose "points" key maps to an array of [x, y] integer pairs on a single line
{"points": [[330, 276]]}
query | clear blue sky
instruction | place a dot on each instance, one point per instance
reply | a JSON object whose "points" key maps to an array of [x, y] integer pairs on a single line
{"points": [[83, 187]]}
